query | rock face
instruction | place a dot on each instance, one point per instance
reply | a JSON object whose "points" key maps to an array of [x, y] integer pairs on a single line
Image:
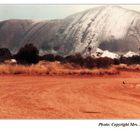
{"points": [[108, 27], [12, 32]]}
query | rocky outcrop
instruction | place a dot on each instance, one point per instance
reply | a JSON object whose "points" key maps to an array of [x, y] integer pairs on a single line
{"points": [[108, 27]]}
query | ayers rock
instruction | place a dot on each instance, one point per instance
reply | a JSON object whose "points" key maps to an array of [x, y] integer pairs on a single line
{"points": [[107, 27]]}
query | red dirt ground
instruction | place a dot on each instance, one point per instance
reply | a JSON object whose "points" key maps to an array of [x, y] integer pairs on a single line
{"points": [[70, 97]]}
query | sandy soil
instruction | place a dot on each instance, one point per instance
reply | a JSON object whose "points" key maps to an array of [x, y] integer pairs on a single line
{"points": [[70, 97]]}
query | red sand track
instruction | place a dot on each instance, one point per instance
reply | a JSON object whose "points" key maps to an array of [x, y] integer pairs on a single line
{"points": [[70, 97]]}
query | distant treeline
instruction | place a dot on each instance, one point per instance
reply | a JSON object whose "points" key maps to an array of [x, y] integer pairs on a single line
{"points": [[29, 54]]}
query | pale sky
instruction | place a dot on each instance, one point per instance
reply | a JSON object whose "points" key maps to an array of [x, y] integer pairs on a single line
{"points": [[46, 11]]}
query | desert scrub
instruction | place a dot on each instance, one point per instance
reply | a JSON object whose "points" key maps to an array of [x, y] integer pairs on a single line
{"points": [[54, 68]]}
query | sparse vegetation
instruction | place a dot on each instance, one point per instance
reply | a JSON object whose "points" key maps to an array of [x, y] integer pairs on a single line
{"points": [[48, 57], [130, 60], [76, 59], [53, 68], [29, 62], [124, 67]]}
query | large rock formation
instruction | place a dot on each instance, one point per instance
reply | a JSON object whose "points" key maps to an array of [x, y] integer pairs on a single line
{"points": [[108, 27]]}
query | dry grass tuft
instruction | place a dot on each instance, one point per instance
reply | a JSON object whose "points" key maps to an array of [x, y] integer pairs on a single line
{"points": [[54, 68], [124, 67], [57, 68]]}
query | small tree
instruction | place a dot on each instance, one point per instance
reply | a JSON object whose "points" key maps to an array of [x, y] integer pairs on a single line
{"points": [[59, 58], [104, 62], [5, 54], [76, 58], [116, 61], [89, 62], [28, 54], [48, 57]]}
